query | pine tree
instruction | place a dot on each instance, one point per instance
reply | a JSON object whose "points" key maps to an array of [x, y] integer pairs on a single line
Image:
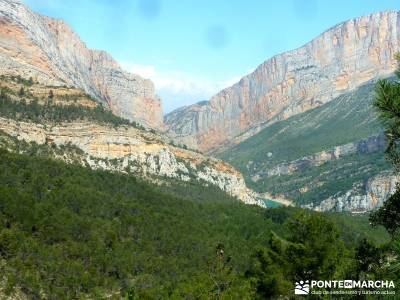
{"points": [[3, 94], [21, 92], [387, 103]]}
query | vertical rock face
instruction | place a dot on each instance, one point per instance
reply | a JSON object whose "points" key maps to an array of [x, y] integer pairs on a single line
{"points": [[339, 60], [48, 50]]}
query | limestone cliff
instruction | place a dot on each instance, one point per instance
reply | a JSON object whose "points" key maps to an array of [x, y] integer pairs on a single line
{"points": [[339, 60], [365, 146], [363, 197], [127, 149], [46, 49]]}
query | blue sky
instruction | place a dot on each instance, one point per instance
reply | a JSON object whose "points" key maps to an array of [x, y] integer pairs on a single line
{"points": [[193, 48]]}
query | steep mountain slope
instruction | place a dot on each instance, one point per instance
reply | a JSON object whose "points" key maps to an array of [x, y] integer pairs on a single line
{"points": [[95, 206], [65, 117], [338, 61], [74, 233], [46, 49], [334, 152], [310, 132], [56, 91]]}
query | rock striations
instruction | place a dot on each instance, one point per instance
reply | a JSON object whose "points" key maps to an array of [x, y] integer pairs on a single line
{"points": [[127, 149], [46, 49], [365, 146], [339, 60], [363, 197]]}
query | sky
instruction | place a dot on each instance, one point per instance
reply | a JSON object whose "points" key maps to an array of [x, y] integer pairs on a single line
{"points": [[191, 49]]}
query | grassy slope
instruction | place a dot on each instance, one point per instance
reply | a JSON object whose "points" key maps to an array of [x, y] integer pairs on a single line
{"points": [[347, 118]]}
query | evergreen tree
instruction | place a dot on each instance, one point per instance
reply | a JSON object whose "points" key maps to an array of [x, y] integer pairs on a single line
{"points": [[3, 95], [51, 94], [387, 103], [312, 249], [21, 92]]}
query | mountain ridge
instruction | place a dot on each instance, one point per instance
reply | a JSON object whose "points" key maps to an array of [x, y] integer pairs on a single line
{"points": [[340, 59], [47, 49], [66, 117], [313, 156]]}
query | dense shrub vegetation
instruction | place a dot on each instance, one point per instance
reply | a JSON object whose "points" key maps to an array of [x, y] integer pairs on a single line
{"points": [[67, 231], [32, 111], [348, 118], [331, 178], [316, 130], [18, 79]]}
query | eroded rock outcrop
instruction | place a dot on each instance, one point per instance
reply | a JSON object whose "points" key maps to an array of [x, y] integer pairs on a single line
{"points": [[365, 146], [128, 149], [363, 197], [46, 49], [339, 60]]}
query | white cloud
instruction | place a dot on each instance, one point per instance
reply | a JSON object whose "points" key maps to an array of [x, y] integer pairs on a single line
{"points": [[144, 71], [177, 88]]}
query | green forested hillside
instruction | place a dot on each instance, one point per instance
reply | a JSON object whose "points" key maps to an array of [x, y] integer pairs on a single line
{"points": [[68, 231], [348, 118], [315, 184]]}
